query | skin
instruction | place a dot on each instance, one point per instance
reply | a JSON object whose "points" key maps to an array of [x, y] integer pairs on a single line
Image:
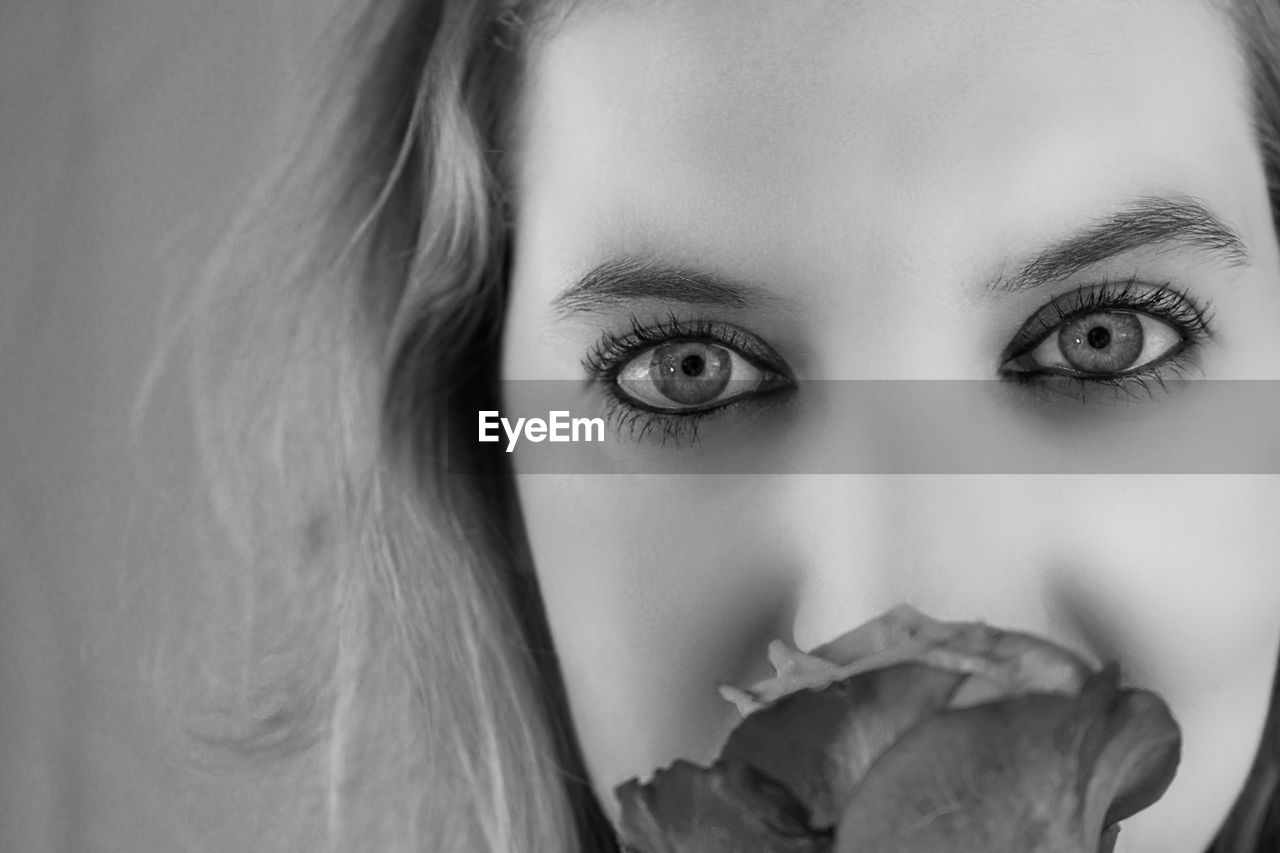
{"points": [[868, 167]]}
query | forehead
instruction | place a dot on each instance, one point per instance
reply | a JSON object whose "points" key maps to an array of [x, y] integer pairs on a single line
{"points": [[644, 122]]}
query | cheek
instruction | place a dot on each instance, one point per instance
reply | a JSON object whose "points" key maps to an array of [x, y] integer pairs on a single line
{"points": [[657, 589], [1176, 577]]}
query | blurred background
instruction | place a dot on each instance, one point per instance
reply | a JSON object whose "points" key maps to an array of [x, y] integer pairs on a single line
{"points": [[129, 132]]}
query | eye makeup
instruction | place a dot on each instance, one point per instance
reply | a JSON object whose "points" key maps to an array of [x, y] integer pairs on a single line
{"points": [[617, 363], [718, 368], [1086, 326]]}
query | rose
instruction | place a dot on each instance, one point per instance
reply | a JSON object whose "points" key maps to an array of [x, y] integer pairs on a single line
{"points": [[917, 736]]}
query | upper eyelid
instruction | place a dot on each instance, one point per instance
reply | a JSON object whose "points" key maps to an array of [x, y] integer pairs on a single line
{"points": [[1198, 325], [672, 328]]}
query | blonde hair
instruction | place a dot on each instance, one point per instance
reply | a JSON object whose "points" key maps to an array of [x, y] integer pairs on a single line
{"points": [[373, 641], [374, 646]]}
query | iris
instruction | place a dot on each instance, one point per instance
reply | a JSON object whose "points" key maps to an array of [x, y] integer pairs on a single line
{"points": [[690, 372], [1102, 342]]}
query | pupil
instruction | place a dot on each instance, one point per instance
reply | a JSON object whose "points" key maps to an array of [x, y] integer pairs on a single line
{"points": [[692, 365], [1099, 337]]}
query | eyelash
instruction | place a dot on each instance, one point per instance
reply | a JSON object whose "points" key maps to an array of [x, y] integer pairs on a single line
{"points": [[612, 351], [1172, 305], [1164, 302]]}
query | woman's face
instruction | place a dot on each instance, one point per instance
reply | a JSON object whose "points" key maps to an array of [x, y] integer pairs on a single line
{"points": [[779, 192]]}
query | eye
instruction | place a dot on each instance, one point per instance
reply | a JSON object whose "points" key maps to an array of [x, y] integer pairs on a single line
{"points": [[691, 375], [1100, 343]]}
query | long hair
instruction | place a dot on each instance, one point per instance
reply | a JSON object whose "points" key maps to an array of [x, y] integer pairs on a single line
{"points": [[375, 653], [377, 656]]}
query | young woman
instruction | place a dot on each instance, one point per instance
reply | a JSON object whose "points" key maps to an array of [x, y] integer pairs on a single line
{"points": [[447, 648]]}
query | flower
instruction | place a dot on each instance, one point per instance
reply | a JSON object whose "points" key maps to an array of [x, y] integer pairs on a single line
{"points": [[917, 736]]}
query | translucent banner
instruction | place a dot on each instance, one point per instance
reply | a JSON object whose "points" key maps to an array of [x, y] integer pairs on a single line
{"points": [[1059, 425]]}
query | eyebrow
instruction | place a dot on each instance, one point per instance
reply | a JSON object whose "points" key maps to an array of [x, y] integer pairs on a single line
{"points": [[1152, 221], [625, 280], [1147, 222]]}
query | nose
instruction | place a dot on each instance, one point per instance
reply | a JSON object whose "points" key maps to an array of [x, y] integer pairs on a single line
{"points": [[974, 547]]}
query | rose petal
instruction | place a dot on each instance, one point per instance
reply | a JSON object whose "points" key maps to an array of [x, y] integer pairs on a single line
{"points": [[1004, 662], [819, 744], [901, 625], [1139, 746], [1033, 773], [974, 780], [727, 808]]}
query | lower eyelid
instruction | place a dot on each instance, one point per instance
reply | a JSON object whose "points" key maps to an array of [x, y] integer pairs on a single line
{"points": [[623, 415], [1138, 386], [614, 350]]}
